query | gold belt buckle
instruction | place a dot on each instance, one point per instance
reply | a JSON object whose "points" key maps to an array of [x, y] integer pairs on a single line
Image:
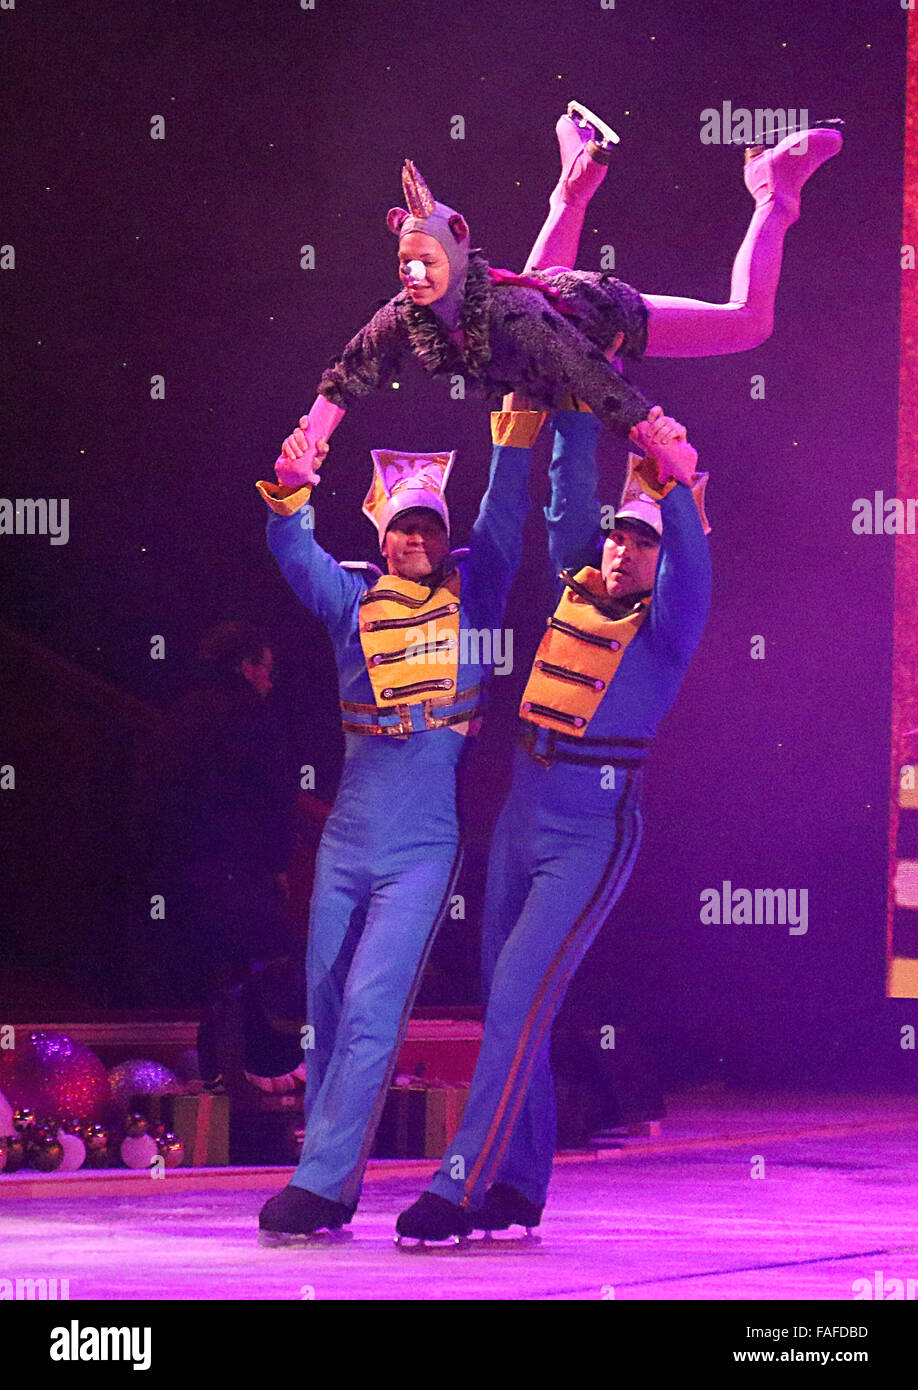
{"points": [[404, 719], [545, 759]]}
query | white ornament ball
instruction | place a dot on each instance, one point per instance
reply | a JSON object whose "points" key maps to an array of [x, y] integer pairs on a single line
{"points": [[74, 1151], [6, 1116], [140, 1152]]}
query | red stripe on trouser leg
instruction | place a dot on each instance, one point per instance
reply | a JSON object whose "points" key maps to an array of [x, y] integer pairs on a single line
{"points": [[553, 985], [573, 950]]}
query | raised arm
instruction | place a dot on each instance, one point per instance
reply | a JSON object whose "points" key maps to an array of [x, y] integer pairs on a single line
{"points": [[682, 591], [496, 542], [323, 586], [573, 513], [682, 588]]}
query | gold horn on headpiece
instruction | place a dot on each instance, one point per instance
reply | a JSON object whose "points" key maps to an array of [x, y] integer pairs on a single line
{"points": [[417, 195]]}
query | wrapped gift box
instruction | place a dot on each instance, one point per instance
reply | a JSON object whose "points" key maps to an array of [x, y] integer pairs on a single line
{"points": [[419, 1121], [200, 1121]]}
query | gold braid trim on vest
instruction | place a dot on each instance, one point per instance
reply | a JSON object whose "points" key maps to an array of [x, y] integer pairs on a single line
{"points": [[577, 658], [410, 639]]}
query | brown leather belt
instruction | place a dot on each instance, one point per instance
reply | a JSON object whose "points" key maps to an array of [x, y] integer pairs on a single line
{"points": [[403, 728], [594, 752]]}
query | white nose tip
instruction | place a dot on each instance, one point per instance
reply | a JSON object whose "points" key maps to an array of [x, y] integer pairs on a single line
{"points": [[414, 272]]}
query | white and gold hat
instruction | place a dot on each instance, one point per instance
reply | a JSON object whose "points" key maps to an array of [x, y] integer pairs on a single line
{"points": [[638, 504], [403, 481]]}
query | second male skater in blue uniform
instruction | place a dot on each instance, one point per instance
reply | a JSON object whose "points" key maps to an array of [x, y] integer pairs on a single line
{"points": [[606, 672]]}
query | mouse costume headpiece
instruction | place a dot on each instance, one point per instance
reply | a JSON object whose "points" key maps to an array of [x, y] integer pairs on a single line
{"points": [[638, 505], [403, 481], [445, 225]]}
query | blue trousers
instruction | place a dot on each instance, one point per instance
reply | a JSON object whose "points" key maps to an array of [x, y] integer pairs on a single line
{"points": [[562, 852], [386, 868]]}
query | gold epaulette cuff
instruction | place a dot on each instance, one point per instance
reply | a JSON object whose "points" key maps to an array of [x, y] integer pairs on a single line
{"points": [[646, 469], [285, 500], [518, 428]]}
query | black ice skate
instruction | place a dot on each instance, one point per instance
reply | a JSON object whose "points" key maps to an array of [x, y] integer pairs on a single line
{"points": [[504, 1207], [295, 1216], [432, 1221]]}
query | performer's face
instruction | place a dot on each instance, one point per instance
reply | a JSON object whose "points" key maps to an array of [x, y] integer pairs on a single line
{"points": [[629, 562], [415, 544], [260, 674], [418, 246]]}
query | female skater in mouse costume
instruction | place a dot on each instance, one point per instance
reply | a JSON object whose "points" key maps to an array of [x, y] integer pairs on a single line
{"points": [[553, 332]]}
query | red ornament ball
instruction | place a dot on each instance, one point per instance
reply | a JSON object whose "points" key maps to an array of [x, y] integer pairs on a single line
{"points": [[54, 1076]]}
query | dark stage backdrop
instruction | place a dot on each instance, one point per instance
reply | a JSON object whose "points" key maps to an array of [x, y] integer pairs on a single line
{"points": [[180, 258], [902, 978]]}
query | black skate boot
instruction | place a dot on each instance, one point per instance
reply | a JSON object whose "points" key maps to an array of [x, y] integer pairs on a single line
{"points": [[504, 1207], [294, 1215], [432, 1220]]}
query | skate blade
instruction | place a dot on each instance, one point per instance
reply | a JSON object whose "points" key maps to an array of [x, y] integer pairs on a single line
{"points": [[782, 132], [272, 1239], [528, 1236], [578, 112], [414, 1245]]}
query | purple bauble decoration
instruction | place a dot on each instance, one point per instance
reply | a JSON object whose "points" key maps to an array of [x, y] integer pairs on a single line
{"points": [[53, 1075], [140, 1077]]}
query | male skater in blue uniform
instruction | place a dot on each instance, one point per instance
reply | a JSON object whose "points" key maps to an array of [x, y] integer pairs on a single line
{"points": [[608, 669], [410, 682]]}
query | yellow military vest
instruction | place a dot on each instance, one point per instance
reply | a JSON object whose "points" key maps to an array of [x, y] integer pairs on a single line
{"points": [[578, 656], [410, 638]]}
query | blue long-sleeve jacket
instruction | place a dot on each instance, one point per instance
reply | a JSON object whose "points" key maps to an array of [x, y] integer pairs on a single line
{"points": [[647, 681]]}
